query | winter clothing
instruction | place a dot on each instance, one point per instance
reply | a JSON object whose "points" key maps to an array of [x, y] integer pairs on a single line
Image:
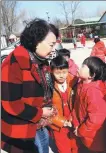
{"points": [[63, 104], [90, 108], [60, 119], [66, 141], [99, 50], [83, 40], [23, 96], [73, 68]]}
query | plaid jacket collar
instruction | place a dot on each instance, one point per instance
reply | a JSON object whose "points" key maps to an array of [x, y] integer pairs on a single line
{"points": [[26, 63], [23, 58]]}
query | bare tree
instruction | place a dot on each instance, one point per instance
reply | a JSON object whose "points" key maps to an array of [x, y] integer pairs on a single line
{"points": [[74, 8], [18, 26], [70, 8], [8, 16], [58, 22], [65, 11]]}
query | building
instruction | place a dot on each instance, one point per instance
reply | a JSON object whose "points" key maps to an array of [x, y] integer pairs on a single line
{"points": [[94, 25]]}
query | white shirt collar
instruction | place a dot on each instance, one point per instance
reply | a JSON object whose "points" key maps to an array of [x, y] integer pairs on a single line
{"points": [[62, 87]]}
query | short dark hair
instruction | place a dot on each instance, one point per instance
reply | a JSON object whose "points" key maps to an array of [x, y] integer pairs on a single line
{"points": [[59, 62], [56, 30], [35, 32], [96, 40], [64, 52], [97, 68]]}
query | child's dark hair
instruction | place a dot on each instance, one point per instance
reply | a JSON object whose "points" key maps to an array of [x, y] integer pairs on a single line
{"points": [[97, 68], [96, 40], [59, 63], [64, 52]]}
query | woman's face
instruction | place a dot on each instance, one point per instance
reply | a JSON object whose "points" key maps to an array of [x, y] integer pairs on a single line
{"points": [[45, 47]]}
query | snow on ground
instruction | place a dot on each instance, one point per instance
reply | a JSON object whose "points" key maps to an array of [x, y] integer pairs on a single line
{"points": [[78, 56], [81, 52]]}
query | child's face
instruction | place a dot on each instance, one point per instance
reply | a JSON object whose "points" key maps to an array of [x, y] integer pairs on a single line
{"points": [[84, 72], [60, 75], [67, 58]]}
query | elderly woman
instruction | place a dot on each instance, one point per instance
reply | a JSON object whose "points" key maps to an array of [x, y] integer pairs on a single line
{"points": [[26, 89]]}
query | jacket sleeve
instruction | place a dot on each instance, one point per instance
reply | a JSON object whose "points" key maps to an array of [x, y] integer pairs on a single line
{"points": [[75, 121], [96, 108], [58, 121], [93, 52], [12, 93], [105, 51]]}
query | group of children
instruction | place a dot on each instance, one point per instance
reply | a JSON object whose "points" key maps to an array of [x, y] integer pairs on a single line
{"points": [[79, 126]]}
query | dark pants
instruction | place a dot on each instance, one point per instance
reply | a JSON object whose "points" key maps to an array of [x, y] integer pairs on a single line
{"points": [[84, 149]]}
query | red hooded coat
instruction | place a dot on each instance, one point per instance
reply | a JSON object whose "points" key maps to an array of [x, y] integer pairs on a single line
{"points": [[90, 108], [99, 50]]}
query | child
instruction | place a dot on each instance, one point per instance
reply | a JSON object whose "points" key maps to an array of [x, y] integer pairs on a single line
{"points": [[90, 105], [83, 40], [99, 49], [73, 68], [74, 41], [64, 138]]}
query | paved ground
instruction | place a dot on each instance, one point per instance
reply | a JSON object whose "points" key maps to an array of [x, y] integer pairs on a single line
{"points": [[80, 53], [78, 56]]}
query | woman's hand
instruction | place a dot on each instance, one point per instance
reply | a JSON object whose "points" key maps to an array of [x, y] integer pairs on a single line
{"points": [[44, 122], [47, 112]]}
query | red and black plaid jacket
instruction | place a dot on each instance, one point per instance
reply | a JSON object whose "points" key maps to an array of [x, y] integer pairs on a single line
{"points": [[22, 97]]}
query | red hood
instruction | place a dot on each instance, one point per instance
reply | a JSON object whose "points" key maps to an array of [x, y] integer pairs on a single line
{"points": [[100, 44]]}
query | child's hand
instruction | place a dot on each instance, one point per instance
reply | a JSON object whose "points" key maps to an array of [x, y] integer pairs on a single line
{"points": [[67, 123], [76, 131]]}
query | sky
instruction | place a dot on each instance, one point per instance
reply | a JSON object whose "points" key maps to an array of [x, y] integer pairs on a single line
{"points": [[39, 8]]}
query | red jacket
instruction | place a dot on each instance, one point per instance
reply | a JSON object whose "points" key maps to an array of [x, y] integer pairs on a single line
{"points": [[22, 96], [90, 108], [59, 119], [83, 39], [99, 50]]}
